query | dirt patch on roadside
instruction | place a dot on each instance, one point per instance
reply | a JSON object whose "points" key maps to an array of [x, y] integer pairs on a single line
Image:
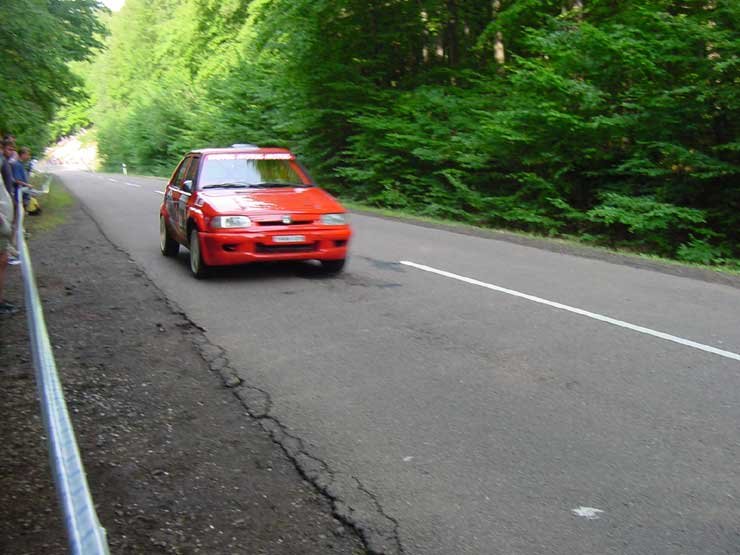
{"points": [[174, 462]]}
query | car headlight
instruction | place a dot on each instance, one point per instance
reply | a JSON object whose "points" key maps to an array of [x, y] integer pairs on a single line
{"points": [[229, 222], [334, 219]]}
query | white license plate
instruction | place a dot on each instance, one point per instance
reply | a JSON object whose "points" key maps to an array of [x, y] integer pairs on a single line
{"points": [[289, 239]]}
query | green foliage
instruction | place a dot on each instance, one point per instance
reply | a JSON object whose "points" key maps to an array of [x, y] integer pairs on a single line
{"points": [[660, 226], [38, 38], [698, 251], [617, 121]]}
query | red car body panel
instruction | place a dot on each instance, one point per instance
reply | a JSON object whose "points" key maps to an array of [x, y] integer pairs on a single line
{"points": [[285, 221]]}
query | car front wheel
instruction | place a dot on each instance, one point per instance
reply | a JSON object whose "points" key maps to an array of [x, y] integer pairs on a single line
{"points": [[198, 268], [167, 244]]}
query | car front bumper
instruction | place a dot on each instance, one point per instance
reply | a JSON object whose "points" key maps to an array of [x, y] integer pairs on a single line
{"points": [[226, 248]]}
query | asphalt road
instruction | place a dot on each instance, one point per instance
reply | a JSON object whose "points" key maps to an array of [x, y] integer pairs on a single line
{"points": [[457, 418]]}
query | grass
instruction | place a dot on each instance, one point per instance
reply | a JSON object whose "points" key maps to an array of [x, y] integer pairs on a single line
{"points": [[54, 207], [568, 240]]}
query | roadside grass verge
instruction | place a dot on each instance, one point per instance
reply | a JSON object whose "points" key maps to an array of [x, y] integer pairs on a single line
{"points": [[572, 242], [54, 206]]}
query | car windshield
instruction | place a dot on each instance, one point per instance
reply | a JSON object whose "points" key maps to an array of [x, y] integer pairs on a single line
{"points": [[235, 171]]}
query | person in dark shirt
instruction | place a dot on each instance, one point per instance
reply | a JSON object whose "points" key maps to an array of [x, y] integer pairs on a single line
{"points": [[20, 176], [11, 138], [6, 170]]}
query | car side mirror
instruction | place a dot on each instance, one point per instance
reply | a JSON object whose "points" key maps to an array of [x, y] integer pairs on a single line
{"points": [[187, 185]]}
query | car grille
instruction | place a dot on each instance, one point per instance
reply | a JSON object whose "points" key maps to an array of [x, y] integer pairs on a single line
{"points": [[281, 249], [280, 223]]}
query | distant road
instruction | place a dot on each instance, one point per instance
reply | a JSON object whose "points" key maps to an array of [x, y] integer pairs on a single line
{"points": [[473, 396]]}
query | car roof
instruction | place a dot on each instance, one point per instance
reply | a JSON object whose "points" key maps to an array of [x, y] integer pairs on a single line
{"points": [[243, 148]]}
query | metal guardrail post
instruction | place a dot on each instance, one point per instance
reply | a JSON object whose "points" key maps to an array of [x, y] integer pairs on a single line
{"points": [[85, 534]]}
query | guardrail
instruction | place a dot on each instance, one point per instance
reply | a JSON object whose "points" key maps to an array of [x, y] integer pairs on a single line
{"points": [[85, 534]]}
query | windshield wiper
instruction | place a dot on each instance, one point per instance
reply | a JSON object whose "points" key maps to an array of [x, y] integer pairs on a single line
{"points": [[259, 185], [227, 186], [267, 184]]}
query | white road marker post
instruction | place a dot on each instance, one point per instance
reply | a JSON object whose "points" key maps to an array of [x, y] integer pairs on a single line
{"points": [[589, 513]]}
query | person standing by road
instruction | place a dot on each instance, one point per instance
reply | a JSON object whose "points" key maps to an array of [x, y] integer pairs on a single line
{"points": [[10, 138], [6, 170], [20, 176], [6, 232]]}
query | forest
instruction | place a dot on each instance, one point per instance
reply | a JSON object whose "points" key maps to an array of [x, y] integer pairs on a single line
{"points": [[40, 42], [614, 122]]}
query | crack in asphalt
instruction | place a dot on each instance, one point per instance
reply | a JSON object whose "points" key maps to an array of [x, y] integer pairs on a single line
{"points": [[377, 530], [380, 509]]}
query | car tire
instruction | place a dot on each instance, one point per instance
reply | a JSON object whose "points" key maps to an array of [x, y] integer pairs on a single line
{"points": [[167, 244], [198, 267], [332, 266]]}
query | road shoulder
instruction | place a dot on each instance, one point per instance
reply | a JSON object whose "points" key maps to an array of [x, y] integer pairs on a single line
{"points": [[569, 248]]}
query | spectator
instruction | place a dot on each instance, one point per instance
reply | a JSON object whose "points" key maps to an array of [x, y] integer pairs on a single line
{"points": [[11, 255], [10, 138], [7, 172], [20, 177], [6, 230]]}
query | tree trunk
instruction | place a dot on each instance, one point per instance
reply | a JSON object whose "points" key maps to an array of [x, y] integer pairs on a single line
{"points": [[452, 41]]}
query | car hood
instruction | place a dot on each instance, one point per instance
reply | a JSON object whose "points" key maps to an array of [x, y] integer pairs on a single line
{"points": [[270, 201]]}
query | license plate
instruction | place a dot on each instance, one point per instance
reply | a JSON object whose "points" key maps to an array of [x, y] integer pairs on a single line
{"points": [[289, 239]]}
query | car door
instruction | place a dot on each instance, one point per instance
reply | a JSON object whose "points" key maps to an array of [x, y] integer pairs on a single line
{"points": [[187, 193], [173, 197]]}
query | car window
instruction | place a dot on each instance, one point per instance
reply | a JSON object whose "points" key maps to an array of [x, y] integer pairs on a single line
{"points": [[192, 172], [233, 169], [179, 175]]}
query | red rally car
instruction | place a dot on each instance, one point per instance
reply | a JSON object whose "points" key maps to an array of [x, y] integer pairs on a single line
{"points": [[248, 204]]}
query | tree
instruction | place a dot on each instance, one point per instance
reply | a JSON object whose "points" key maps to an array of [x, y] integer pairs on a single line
{"points": [[37, 40], [616, 121]]}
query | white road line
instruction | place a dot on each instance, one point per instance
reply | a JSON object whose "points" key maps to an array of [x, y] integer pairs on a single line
{"points": [[159, 192], [113, 180], [602, 318], [133, 185]]}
